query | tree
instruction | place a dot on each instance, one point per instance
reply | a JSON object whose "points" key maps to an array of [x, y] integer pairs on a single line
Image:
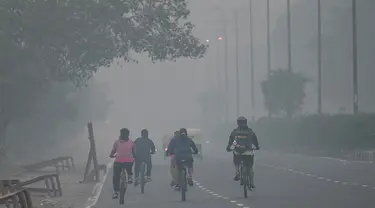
{"points": [[68, 41], [284, 92]]}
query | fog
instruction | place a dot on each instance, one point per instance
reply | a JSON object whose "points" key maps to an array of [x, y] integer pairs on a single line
{"points": [[164, 96]]}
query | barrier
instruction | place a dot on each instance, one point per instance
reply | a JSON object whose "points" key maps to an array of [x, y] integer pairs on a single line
{"points": [[13, 197], [58, 163], [362, 156], [51, 182]]}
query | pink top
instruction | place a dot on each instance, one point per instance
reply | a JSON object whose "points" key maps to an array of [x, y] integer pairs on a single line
{"points": [[123, 151]]}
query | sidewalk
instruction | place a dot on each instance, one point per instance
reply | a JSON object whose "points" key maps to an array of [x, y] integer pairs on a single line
{"points": [[74, 194]]}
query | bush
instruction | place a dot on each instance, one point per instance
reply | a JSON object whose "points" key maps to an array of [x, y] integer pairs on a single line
{"points": [[327, 133]]}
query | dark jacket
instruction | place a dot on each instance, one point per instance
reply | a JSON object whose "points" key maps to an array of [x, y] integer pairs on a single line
{"points": [[182, 142], [144, 147], [252, 136]]}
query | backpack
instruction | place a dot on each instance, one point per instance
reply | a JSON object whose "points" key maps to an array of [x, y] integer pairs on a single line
{"points": [[183, 147], [242, 138]]}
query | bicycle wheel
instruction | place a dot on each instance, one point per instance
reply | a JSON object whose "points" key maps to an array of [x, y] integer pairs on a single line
{"points": [[183, 184], [244, 179], [142, 179], [123, 187]]}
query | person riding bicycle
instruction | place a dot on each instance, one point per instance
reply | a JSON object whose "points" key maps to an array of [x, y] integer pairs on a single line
{"points": [[143, 148], [122, 151], [244, 138], [181, 147], [173, 167]]}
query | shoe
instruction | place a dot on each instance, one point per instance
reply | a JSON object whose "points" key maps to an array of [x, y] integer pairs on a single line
{"points": [[252, 187], [130, 180], [190, 181], [148, 179], [172, 184], [136, 182], [115, 195], [176, 187], [237, 177]]}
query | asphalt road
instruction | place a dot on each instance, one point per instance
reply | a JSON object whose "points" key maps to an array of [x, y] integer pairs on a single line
{"points": [[283, 181]]}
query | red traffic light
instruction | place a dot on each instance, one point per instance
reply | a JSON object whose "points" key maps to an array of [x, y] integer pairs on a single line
{"points": [[220, 38]]}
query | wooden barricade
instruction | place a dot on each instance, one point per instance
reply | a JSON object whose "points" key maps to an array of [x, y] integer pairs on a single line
{"points": [[51, 182], [59, 163], [13, 196]]}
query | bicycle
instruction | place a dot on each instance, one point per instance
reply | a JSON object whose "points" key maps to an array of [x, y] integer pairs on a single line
{"points": [[245, 174], [123, 183], [142, 171], [183, 179], [123, 186]]}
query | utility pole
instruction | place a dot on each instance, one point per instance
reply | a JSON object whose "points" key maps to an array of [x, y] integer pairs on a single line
{"points": [[268, 46], [218, 65], [268, 41], [251, 60], [226, 73], [355, 63], [237, 67], [289, 37], [319, 58]]}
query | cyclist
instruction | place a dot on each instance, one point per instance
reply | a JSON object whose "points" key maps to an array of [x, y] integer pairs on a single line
{"points": [[173, 168], [181, 147], [143, 148], [123, 152], [245, 138]]}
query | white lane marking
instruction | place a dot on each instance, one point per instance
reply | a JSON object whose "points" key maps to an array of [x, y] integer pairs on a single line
{"points": [[97, 190], [219, 196], [315, 176]]}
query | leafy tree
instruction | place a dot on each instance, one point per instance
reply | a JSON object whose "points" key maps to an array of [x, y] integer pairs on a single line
{"points": [[284, 92], [68, 41]]}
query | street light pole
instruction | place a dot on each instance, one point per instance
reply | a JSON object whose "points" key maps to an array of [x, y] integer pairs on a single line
{"points": [[237, 67], [355, 63], [289, 37], [251, 61], [226, 73], [268, 45], [268, 41], [319, 58]]}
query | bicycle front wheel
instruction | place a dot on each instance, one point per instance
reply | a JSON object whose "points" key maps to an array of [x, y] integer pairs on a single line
{"points": [[245, 180], [123, 187], [142, 179], [183, 184]]}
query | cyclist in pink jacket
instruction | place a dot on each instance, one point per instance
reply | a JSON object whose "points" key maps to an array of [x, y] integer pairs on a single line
{"points": [[123, 152]]}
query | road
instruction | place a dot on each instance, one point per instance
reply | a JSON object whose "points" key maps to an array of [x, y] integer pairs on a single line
{"points": [[283, 181]]}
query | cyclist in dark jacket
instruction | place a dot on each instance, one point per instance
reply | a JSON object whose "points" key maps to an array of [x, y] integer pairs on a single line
{"points": [[143, 148], [244, 138], [181, 147]]}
